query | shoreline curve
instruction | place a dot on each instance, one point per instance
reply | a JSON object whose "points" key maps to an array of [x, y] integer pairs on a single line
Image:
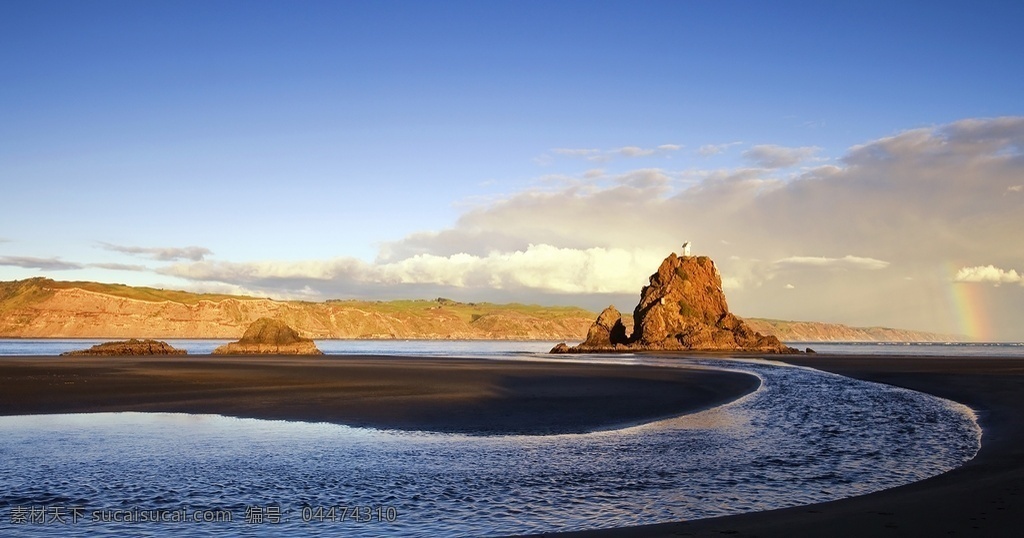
{"points": [[446, 395], [983, 497]]}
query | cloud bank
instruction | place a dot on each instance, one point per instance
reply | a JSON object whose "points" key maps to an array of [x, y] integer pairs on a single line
{"points": [[872, 238], [46, 264], [536, 267], [165, 254], [989, 273], [772, 156]]}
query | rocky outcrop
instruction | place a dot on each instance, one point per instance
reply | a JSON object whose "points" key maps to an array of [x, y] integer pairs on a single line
{"points": [[128, 347], [607, 330], [682, 309], [268, 336]]}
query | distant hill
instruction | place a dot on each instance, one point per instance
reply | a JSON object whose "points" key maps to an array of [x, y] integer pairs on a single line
{"points": [[44, 308], [813, 331]]}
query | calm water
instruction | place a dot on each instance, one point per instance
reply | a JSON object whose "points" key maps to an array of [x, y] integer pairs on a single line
{"points": [[475, 348], [432, 348], [953, 349], [804, 437]]}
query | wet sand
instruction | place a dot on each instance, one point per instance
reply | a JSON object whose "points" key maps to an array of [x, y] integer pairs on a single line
{"points": [[428, 394], [985, 497]]}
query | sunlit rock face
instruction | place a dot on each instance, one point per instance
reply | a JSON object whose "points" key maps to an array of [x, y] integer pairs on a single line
{"points": [[269, 337], [683, 308], [128, 347]]}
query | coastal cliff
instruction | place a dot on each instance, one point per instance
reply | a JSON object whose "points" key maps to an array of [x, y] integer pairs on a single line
{"points": [[816, 331], [682, 309], [45, 308]]}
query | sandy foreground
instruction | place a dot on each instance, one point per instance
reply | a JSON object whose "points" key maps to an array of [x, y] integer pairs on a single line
{"points": [[411, 393], [985, 497]]}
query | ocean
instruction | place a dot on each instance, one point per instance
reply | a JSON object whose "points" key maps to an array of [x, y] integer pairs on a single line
{"points": [[803, 437], [510, 348]]}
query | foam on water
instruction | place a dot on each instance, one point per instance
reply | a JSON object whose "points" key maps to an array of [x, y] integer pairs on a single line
{"points": [[804, 437]]}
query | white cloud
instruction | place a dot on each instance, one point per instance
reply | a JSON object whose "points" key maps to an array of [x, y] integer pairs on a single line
{"points": [[537, 267], [1015, 188], [221, 288], [46, 264], [646, 179], [789, 286], [633, 151], [120, 267], [249, 272], [708, 150], [772, 157], [599, 155], [851, 262], [165, 254], [731, 283], [988, 273], [569, 152]]}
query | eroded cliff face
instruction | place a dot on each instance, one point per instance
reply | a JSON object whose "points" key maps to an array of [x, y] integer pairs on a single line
{"points": [[683, 308], [41, 308]]}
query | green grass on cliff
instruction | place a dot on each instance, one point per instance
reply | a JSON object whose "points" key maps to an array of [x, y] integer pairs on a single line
{"points": [[20, 293], [468, 312]]}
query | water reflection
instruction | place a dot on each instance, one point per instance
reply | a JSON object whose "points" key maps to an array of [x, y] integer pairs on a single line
{"points": [[804, 437]]}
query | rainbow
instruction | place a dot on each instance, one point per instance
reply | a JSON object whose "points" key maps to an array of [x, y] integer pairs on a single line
{"points": [[970, 307]]}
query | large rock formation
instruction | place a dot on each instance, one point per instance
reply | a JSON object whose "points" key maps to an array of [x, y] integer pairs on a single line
{"points": [[128, 347], [269, 337], [607, 330], [683, 308]]}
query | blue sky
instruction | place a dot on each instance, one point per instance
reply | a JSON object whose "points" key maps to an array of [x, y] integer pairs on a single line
{"points": [[384, 149]]}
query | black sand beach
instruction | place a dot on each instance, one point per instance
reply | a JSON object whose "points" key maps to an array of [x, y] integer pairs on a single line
{"points": [[429, 394], [985, 497]]}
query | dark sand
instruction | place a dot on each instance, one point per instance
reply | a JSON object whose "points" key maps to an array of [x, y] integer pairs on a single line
{"points": [[985, 497], [431, 394]]}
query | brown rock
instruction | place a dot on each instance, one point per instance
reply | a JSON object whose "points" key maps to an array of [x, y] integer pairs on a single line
{"points": [[683, 308], [269, 337], [128, 347], [561, 348], [607, 329]]}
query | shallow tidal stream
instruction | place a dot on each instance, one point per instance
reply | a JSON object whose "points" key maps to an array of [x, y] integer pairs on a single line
{"points": [[803, 437]]}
